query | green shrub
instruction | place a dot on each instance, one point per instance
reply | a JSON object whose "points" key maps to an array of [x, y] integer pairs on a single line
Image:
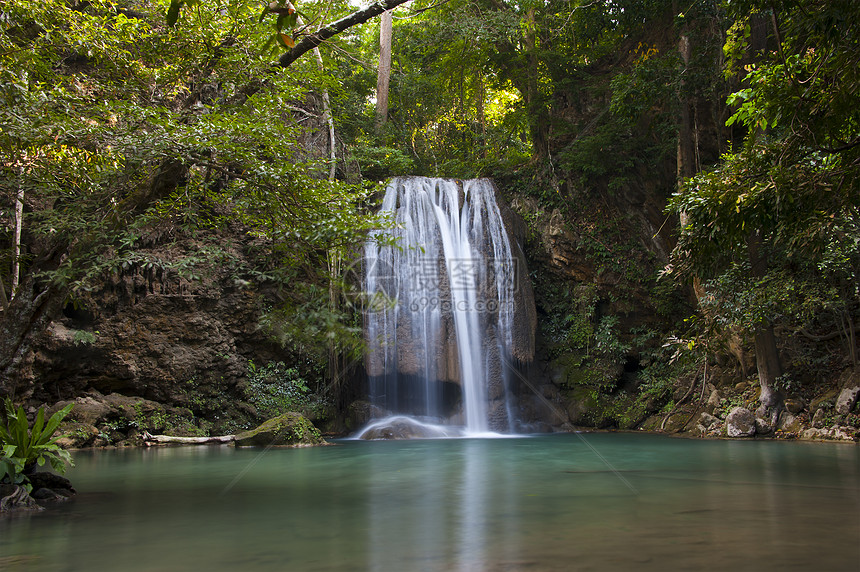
{"points": [[23, 449], [84, 338], [274, 389]]}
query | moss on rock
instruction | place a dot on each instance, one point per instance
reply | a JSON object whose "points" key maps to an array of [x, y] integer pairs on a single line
{"points": [[290, 428]]}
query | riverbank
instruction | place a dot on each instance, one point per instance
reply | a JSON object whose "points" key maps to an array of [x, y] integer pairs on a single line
{"points": [[116, 421]]}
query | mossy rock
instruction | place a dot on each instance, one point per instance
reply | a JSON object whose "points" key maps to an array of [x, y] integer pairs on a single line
{"points": [[290, 429], [828, 400], [570, 370], [580, 404], [652, 423], [75, 434]]}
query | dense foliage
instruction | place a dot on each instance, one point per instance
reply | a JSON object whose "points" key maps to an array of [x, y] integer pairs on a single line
{"points": [[772, 229], [117, 128], [122, 124]]}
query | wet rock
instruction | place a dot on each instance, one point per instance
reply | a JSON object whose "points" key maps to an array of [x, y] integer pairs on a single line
{"points": [[112, 419], [148, 331], [676, 422], [497, 416], [846, 400], [45, 494], [763, 426], [824, 401], [57, 483], [88, 410], [288, 429], [76, 435], [708, 424], [740, 422], [652, 423], [359, 413], [788, 422], [794, 406], [398, 428], [818, 419], [708, 420], [714, 401], [835, 433]]}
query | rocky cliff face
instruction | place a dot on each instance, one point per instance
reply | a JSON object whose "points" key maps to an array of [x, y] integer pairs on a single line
{"points": [[182, 339], [595, 247]]}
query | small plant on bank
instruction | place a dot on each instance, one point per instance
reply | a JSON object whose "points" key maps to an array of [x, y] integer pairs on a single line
{"points": [[24, 448], [275, 388], [84, 338]]}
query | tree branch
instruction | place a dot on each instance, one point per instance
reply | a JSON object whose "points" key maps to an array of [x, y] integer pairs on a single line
{"points": [[149, 439], [311, 41]]}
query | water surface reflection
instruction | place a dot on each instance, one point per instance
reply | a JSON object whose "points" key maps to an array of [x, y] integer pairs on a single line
{"points": [[544, 503]]}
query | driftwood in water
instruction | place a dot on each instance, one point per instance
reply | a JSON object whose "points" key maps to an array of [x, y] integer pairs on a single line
{"points": [[149, 439]]}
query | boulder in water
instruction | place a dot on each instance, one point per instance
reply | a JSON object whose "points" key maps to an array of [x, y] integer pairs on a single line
{"points": [[402, 428], [359, 414], [290, 429]]}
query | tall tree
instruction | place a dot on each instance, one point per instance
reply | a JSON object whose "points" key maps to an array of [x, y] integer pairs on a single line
{"points": [[767, 226], [383, 74]]}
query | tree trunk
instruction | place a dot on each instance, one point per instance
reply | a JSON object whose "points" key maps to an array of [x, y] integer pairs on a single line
{"points": [[4, 298], [768, 364], [329, 119], [480, 95], [28, 315], [383, 74], [767, 358], [149, 439], [16, 241], [686, 161], [538, 116]]}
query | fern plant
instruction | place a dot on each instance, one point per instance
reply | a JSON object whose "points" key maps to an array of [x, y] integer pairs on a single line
{"points": [[23, 448]]}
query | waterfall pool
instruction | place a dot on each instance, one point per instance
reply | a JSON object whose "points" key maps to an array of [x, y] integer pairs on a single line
{"points": [[557, 502]]}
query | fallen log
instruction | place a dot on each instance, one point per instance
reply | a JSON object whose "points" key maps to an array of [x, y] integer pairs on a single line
{"points": [[149, 439]]}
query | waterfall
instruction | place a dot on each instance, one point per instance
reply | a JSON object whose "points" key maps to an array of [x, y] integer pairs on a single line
{"points": [[439, 326]]}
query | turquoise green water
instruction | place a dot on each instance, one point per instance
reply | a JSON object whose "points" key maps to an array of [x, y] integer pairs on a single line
{"points": [[565, 502]]}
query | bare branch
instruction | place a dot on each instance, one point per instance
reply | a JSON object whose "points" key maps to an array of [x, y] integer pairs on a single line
{"points": [[359, 17]]}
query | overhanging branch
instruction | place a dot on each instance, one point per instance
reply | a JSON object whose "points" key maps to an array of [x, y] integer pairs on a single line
{"points": [[311, 41]]}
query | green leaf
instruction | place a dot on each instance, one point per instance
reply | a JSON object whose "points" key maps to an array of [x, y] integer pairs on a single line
{"points": [[38, 425], [270, 43], [19, 432], [288, 20], [55, 421], [173, 12]]}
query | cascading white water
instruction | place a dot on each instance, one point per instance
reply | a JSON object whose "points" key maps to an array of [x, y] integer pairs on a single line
{"points": [[442, 292]]}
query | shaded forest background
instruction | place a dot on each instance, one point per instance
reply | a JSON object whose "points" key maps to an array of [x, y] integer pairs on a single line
{"points": [[182, 214]]}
